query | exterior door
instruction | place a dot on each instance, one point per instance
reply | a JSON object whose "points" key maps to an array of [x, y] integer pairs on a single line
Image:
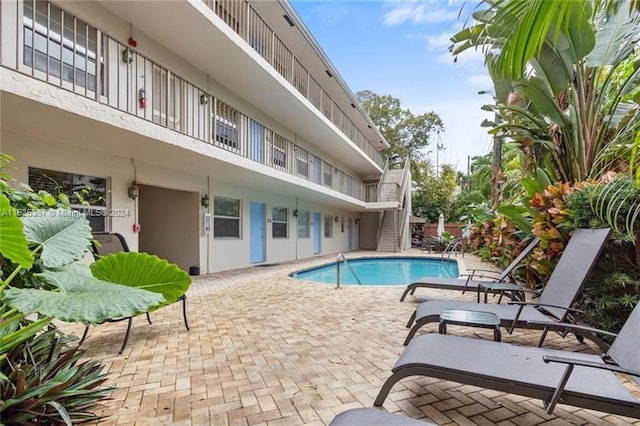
{"points": [[350, 233], [317, 233], [256, 242]]}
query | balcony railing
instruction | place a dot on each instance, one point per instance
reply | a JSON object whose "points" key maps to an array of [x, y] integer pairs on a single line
{"points": [[244, 20], [96, 66]]}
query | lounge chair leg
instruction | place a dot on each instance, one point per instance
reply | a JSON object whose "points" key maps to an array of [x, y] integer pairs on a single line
{"points": [[184, 311], [543, 336], [411, 319], [126, 336], [412, 333], [149, 318], [558, 392], [404, 295], [84, 335], [395, 377]]}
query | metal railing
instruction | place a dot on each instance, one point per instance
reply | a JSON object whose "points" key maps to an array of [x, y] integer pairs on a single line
{"points": [[406, 181], [101, 68], [240, 16], [341, 256]]}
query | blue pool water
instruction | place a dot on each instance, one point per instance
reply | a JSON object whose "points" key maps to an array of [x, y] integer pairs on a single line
{"points": [[381, 271]]}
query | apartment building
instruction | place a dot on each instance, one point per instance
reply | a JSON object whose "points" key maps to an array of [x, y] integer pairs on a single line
{"points": [[213, 133]]}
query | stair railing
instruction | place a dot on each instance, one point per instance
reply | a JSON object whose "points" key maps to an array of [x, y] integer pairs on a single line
{"points": [[406, 181]]}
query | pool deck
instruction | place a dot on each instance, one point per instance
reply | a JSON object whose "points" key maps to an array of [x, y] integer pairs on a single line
{"points": [[267, 349]]}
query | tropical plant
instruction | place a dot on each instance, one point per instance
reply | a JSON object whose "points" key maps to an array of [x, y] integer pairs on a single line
{"points": [[47, 382], [40, 245], [566, 80]]}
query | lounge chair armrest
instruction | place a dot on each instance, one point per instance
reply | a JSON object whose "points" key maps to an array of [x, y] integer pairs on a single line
{"points": [[545, 305], [474, 270], [579, 362], [500, 285], [565, 326], [473, 276]]}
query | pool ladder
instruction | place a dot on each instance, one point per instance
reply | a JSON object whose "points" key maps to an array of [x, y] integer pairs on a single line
{"points": [[341, 256]]}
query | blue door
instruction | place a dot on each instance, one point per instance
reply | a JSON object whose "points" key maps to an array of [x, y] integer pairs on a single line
{"points": [[256, 242], [350, 233], [256, 141], [317, 233]]}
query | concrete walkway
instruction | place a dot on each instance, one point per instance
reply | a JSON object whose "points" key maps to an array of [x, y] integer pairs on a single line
{"points": [[266, 349]]}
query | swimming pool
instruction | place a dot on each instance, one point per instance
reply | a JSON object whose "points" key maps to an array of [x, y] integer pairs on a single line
{"points": [[381, 271]]}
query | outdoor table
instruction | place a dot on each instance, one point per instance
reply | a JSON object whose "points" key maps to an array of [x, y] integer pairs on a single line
{"points": [[470, 319]]}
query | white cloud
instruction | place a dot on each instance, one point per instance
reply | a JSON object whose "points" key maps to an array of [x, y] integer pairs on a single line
{"points": [[418, 13], [481, 81]]}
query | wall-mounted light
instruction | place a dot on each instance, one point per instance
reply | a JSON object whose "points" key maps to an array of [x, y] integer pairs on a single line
{"points": [[134, 191], [205, 201], [295, 213], [204, 99], [127, 55], [357, 221], [353, 105], [329, 73], [335, 219]]}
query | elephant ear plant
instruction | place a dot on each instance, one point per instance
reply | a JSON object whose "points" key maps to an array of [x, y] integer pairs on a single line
{"points": [[44, 380]]}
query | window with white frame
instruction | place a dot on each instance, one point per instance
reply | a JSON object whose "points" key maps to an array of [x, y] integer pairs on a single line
{"points": [[68, 53], [326, 171], [279, 151], [303, 224], [328, 226], [86, 193], [226, 217], [280, 222], [226, 125], [302, 163]]}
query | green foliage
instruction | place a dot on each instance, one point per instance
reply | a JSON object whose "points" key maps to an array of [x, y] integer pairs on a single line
{"points": [[434, 195], [408, 134], [39, 241], [576, 112], [81, 297], [143, 271], [47, 382]]}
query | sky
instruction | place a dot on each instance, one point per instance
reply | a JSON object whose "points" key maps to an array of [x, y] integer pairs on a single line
{"points": [[400, 48]]}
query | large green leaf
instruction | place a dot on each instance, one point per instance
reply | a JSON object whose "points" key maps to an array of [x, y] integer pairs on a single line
{"points": [[538, 91], [142, 270], [616, 38], [13, 244], [81, 298], [64, 234]]}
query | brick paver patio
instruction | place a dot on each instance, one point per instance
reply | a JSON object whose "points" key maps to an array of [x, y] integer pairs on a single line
{"points": [[266, 349]]}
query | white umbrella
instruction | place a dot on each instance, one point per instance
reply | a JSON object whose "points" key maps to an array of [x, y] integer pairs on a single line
{"points": [[440, 228]]}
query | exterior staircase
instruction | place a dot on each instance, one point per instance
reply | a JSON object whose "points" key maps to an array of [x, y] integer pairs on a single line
{"points": [[393, 231]]}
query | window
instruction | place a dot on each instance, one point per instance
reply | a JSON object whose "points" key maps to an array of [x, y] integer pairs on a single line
{"points": [[68, 53], [303, 224], [328, 226], [279, 151], [302, 162], [279, 222], [226, 217], [86, 193], [327, 169], [226, 125]]}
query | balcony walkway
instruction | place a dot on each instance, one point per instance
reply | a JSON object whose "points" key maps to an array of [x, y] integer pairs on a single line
{"points": [[265, 349]]}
